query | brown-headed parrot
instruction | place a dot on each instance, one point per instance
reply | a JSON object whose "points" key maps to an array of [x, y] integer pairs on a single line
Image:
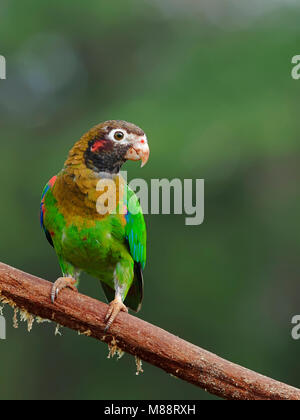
{"points": [[110, 247]]}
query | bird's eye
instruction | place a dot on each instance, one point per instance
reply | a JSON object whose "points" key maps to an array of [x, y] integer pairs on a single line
{"points": [[119, 135]]}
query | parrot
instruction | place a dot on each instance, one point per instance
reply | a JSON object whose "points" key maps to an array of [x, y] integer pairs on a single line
{"points": [[110, 246]]}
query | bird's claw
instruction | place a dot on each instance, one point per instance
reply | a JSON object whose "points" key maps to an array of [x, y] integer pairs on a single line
{"points": [[60, 284], [115, 307]]}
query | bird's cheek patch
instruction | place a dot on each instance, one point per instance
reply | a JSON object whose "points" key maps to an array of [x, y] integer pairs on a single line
{"points": [[97, 145]]}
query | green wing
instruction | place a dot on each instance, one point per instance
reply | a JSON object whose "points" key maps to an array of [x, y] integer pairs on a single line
{"points": [[42, 208], [135, 229], [136, 237]]}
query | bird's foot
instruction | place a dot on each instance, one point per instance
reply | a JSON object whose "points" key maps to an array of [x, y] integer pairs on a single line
{"points": [[60, 284], [115, 307]]}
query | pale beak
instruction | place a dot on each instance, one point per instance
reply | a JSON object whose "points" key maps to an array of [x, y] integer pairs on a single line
{"points": [[139, 151]]}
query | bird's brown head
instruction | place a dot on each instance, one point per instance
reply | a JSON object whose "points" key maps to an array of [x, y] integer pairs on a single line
{"points": [[107, 146]]}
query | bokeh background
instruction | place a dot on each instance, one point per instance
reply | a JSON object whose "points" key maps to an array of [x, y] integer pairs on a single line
{"points": [[210, 82]]}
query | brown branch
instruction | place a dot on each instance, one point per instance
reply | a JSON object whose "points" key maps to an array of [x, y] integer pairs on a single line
{"points": [[141, 339]]}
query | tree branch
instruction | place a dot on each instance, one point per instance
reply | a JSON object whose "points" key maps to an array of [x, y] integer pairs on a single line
{"points": [[141, 339]]}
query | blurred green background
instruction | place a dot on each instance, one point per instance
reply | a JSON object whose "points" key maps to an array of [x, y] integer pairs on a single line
{"points": [[210, 83]]}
